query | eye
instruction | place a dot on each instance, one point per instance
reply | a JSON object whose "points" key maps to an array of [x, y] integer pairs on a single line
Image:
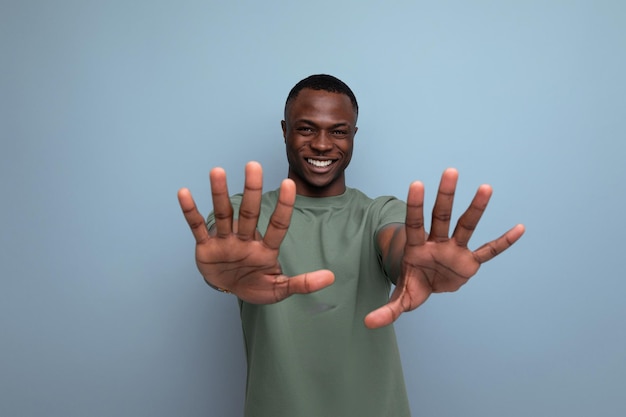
{"points": [[304, 130], [339, 133]]}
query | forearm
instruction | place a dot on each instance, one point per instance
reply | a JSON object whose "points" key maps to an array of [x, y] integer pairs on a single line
{"points": [[391, 241]]}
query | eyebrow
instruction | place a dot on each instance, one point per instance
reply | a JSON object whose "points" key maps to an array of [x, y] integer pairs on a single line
{"points": [[336, 125]]}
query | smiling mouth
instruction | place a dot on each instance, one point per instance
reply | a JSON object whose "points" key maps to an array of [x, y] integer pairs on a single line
{"points": [[319, 164]]}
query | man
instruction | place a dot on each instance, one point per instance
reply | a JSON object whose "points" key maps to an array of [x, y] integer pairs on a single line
{"points": [[329, 352]]}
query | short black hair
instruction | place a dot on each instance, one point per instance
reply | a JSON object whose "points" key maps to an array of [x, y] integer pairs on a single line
{"points": [[322, 82]]}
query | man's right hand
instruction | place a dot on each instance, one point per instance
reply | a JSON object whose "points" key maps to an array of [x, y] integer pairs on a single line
{"points": [[234, 256]]}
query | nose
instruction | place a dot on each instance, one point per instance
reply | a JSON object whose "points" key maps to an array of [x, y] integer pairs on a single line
{"points": [[321, 142]]}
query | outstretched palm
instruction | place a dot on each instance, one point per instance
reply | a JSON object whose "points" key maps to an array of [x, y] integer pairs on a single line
{"points": [[234, 256], [436, 262]]}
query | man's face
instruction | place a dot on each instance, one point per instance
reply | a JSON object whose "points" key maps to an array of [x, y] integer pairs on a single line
{"points": [[319, 132]]}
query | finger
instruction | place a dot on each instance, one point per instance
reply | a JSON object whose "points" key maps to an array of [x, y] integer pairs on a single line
{"points": [[492, 249], [281, 217], [442, 212], [382, 316], [222, 208], [414, 223], [302, 284], [389, 313], [192, 215], [469, 220], [251, 201]]}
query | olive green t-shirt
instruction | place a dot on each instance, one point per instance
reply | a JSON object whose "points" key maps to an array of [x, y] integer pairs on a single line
{"points": [[311, 355]]}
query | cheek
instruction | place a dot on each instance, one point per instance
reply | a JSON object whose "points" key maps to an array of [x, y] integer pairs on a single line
{"points": [[295, 145], [347, 148], [292, 151]]}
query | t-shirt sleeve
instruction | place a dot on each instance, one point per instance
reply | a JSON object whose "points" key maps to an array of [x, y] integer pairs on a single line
{"points": [[391, 211]]}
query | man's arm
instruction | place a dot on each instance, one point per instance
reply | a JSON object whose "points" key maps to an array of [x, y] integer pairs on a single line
{"points": [[391, 240], [422, 263]]}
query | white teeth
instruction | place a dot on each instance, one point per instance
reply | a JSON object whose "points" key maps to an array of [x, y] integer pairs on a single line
{"points": [[319, 164]]}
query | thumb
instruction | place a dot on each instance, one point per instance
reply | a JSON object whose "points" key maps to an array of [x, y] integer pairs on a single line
{"points": [[304, 283]]}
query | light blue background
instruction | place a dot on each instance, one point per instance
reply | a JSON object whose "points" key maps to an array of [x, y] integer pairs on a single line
{"points": [[107, 108]]}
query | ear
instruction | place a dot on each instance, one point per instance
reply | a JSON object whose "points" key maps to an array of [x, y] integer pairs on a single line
{"points": [[283, 126]]}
